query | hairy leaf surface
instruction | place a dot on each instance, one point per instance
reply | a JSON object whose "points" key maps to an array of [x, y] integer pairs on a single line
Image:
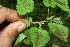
{"points": [[24, 6], [39, 37], [59, 30]]}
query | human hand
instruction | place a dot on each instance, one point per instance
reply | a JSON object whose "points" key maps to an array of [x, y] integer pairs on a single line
{"points": [[9, 33]]}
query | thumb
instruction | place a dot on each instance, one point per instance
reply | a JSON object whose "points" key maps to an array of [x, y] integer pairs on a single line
{"points": [[9, 33]]}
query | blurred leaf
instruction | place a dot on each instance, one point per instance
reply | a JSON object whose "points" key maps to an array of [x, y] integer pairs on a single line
{"points": [[29, 21], [20, 38], [39, 37], [59, 30], [63, 4], [28, 39], [50, 18], [24, 6]]}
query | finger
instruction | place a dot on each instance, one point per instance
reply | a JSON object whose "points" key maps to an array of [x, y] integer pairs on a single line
{"points": [[8, 15], [12, 16], [2, 14], [10, 32], [2, 18]]}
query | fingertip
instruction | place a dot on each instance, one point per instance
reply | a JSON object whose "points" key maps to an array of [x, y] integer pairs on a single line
{"points": [[16, 26], [22, 27], [10, 32]]}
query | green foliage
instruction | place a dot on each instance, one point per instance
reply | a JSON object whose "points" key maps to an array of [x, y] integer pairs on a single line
{"points": [[20, 38], [55, 20], [29, 21], [24, 6], [50, 18], [49, 3], [63, 4], [58, 20], [39, 37], [28, 39], [59, 30]]}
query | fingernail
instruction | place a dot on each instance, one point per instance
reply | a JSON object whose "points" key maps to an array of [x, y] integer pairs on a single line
{"points": [[21, 28]]}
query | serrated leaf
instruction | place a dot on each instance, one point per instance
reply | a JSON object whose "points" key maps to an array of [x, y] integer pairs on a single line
{"points": [[39, 37], [24, 6], [20, 38], [59, 30], [63, 4], [49, 3]]}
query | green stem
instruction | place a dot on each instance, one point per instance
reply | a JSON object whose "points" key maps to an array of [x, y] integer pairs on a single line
{"points": [[39, 22], [44, 21], [48, 11]]}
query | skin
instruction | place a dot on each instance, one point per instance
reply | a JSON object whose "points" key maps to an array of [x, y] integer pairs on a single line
{"points": [[9, 33]]}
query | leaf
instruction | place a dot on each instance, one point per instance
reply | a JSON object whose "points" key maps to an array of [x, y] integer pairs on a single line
{"points": [[24, 6], [28, 39], [49, 3], [58, 20], [55, 45], [29, 21], [59, 30], [39, 37], [63, 4], [50, 18], [20, 38]]}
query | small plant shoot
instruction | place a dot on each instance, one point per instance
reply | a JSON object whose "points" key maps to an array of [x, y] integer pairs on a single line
{"points": [[48, 22]]}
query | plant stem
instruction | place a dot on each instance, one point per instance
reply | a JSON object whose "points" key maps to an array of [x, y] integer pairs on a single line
{"points": [[39, 22], [39, 3], [48, 11], [44, 21]]}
